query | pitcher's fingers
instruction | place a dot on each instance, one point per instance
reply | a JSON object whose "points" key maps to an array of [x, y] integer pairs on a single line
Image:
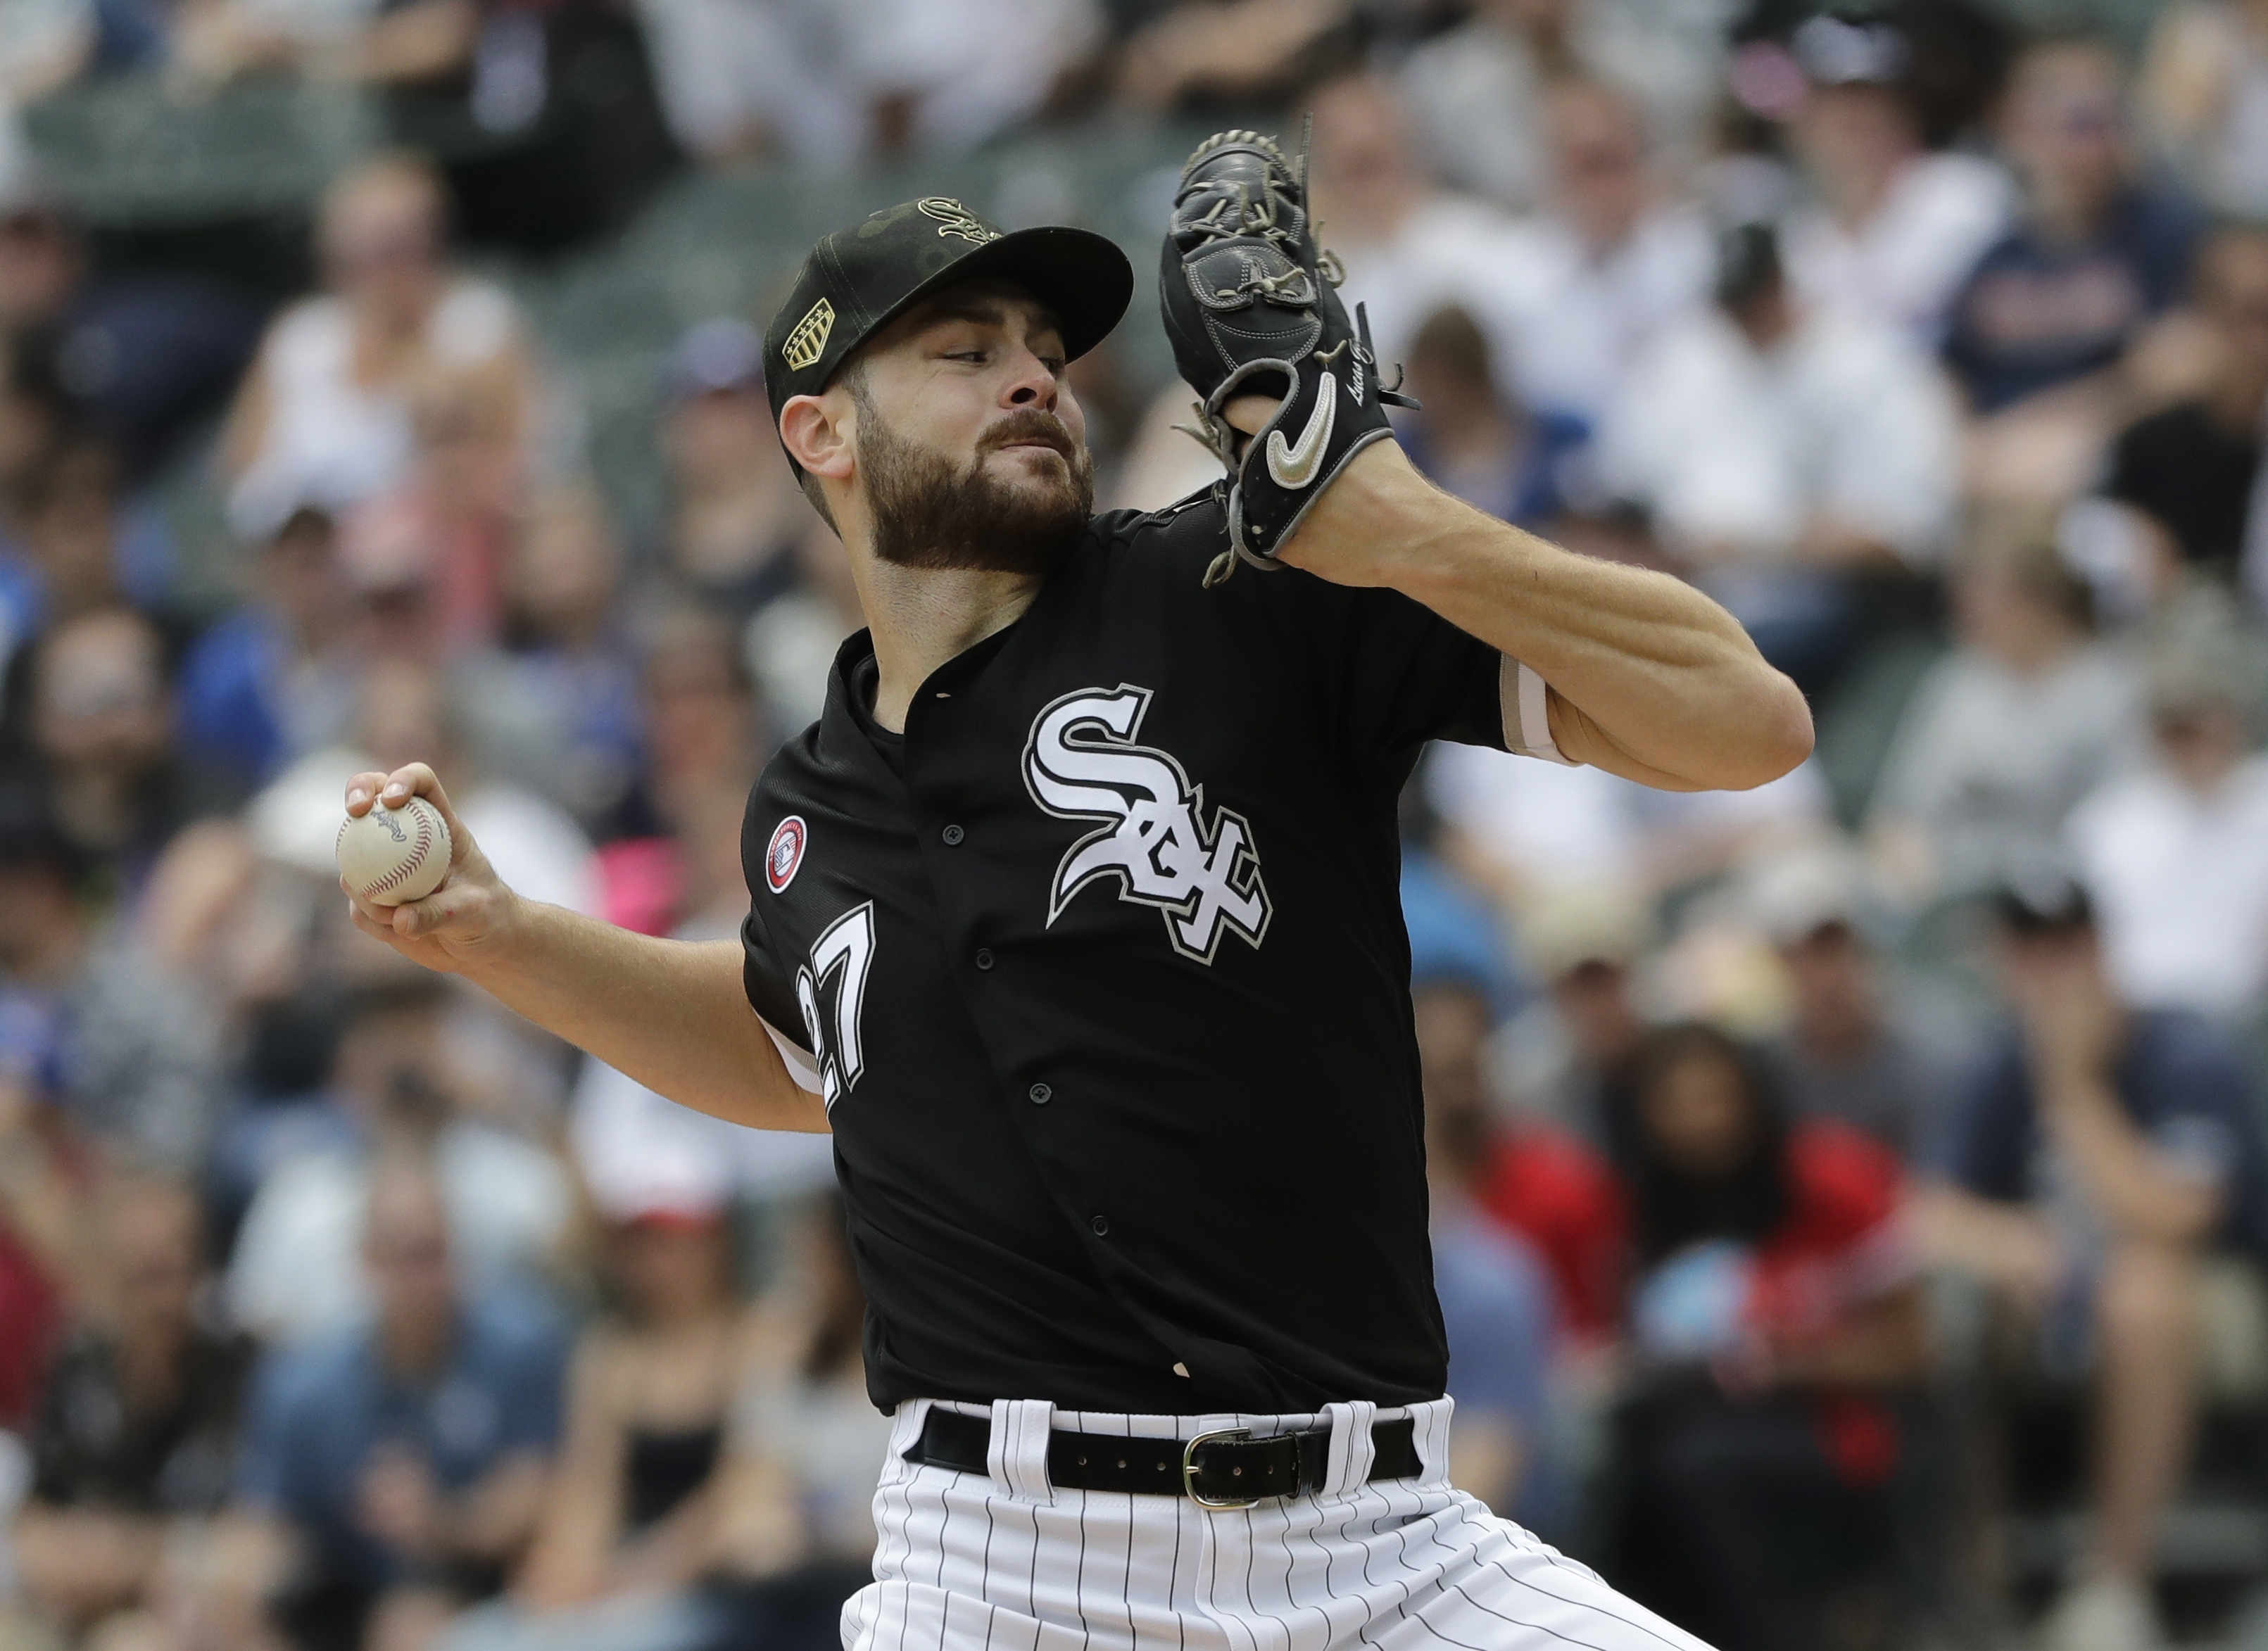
{"points": [[362, 793], [380, 917], [413, 918], [418, 779], [369, 925]]}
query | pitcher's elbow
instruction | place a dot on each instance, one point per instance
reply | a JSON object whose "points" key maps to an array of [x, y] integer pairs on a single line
{"points": [[1775, 737]]}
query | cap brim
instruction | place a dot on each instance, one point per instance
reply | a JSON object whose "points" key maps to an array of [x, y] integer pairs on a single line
{"points": [[1082, 278]]}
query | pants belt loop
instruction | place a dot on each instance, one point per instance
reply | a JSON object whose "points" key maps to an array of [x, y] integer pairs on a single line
{"points": [[905, 1428], [1352, 1451], [1017, 1457], [1432, 1436]]}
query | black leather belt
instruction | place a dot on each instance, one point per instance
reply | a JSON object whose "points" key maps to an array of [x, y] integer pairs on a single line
{"points": [[1226, 1468]]}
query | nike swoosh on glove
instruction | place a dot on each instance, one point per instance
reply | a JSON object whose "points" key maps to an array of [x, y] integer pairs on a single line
{"points": [[1251, 307]]}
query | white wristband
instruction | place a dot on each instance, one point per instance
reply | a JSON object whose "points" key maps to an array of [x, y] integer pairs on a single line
{"points": [[1526, 715]]}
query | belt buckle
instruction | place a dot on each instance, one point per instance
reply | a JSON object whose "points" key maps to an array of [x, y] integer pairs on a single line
{"points": [[1189, 1468]]}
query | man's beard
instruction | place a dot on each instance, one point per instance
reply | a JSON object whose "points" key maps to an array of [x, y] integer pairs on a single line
{"points": [[929, 512]]}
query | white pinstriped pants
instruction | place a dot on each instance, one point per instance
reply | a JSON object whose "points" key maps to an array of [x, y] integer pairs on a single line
{"points": [[1004, 1562]]}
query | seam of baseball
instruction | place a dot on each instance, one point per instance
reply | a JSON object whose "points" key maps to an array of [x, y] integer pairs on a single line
{"points": [[416, 858]]}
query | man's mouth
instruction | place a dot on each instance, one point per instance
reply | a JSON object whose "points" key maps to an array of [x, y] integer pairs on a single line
{"points": [[1027, 434]]}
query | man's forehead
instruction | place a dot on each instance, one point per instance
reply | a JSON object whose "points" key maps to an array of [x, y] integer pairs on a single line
{"points": [[986, 302]]}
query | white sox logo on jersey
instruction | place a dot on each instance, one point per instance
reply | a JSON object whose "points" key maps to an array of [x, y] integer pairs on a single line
{"points": [[1081, 763]]}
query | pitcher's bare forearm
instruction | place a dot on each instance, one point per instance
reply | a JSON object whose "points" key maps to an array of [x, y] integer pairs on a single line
{"points": [[672, 1014], [1649, 678]]}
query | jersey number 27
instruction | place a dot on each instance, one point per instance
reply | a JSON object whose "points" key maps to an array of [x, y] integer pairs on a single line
{"points": [[840, 958]]}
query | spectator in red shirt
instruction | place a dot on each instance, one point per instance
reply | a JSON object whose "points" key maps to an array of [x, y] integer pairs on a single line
{"points": [[1546, 1178], [1772, 1318]]}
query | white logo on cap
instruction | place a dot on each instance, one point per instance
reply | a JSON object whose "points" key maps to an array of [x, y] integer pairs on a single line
{"points": [[956, 219]]}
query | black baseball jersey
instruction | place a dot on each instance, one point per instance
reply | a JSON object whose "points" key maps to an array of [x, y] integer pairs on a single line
{"points": [[1101, 970]]}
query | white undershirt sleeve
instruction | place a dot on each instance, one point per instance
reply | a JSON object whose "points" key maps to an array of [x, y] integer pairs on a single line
{"points": [[1527, 721], [798, 1064]]}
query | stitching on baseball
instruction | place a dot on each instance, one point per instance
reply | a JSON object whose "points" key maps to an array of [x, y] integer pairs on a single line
{"points": [[401, 873]]}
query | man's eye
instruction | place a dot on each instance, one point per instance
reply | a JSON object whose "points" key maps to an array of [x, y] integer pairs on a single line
{"points": [[964, 355], [1055, 364]]}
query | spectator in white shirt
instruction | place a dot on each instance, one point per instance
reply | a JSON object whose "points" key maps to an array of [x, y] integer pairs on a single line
{"points": [[1588, 285], [2204, 97], [1409, 248], [1783, 449], [1480, 91], [2175, 851], [2007, 733], [324, 415], [1891, 229], [1525, 828], [396, 1081]]}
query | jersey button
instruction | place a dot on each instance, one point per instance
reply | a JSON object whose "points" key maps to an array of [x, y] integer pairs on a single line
{"points": [[983, 957], [952, 835], [1101, 1227], [1042, 1095]]}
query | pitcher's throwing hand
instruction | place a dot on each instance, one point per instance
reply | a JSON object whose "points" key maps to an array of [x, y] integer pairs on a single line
{"points": [[446, 927]]}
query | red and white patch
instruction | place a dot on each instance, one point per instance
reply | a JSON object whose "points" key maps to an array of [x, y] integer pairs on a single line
{"points": [[785, 853]]}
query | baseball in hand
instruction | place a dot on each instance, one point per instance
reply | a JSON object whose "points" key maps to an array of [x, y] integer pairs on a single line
{"points": [[393, 855]]}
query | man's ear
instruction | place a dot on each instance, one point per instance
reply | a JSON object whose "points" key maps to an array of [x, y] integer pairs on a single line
{"points": [[815, 429]]}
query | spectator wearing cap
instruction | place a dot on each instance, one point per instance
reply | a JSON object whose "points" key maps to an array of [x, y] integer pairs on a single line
{"points": [[1495, 1293], [95, 1028], [2053, 307], [2098, 1162], [2175, 850], [1784, 448], [1774, 1325], [2189, 472], [2006, 734], [1845, 1054], [1891, 228], [401, 1460], [134, 1445]]}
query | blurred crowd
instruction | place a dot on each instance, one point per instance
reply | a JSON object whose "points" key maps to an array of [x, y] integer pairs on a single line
{"points": [[1851, 1196]]}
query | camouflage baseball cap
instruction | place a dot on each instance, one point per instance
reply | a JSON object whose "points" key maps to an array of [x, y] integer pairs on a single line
{"points": [[857, 279]]}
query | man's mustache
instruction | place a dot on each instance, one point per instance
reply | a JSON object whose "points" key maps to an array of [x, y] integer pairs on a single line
{"points": [[1027, 425]]}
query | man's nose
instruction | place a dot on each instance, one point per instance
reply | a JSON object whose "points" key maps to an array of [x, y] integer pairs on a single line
{"points": [[1031, 383]]}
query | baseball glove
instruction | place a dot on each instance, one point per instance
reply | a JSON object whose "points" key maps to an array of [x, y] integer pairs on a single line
{"points": [[1250, 305]]}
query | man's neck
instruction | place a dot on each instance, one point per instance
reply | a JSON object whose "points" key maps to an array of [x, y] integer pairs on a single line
{"points": [[922, 617]]}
